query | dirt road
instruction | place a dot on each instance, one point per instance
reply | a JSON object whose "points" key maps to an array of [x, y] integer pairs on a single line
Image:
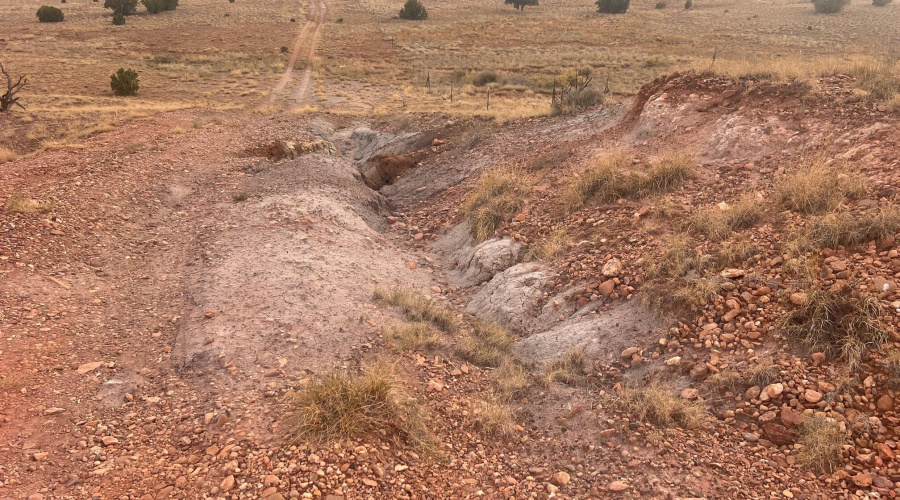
{"points": [[288, 87]]}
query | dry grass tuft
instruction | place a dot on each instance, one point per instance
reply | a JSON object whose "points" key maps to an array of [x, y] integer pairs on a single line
{"points": [[724, 382], [845, 228], [892, 368], [880, 79], [499, 194], [7, 155], [548, 248], [835, 323], [568, 369], [511, 378], [417, 308], [762, 373], [822, 441], [718, 224], [488, 344], [610, 179], [13, 382], [493, 417], [817, 188], [22, 204], [679, 281], [340, 406], [736, 252], [659, 404], [414, 336]]}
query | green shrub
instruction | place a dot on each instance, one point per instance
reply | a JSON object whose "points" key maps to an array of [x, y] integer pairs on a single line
{"points": [[124, 7], [613, 6], [47, 14], [118, 18], [829, 6], [688, 4], [660, 5], [124, 82], [520, 4], [157, 6], [881, 3], [413, 10]]}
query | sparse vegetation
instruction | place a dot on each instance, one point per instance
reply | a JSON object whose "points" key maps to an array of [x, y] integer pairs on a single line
{"points": [[817, 188], [575, 92], [845, 228], [613, 6], [880, 79], [520, 4], [552, 245], [822, 440], [7, 155], [761, 373], [837, 324], [829, 6], [493, 417], [48, 14], [413, 10], [736, 252], [486, 77], [660, 5], [487, 344], [881, 3], [892, 368], [611, 179], [718, 223], [417, 308], [511, 378], [413, 336], [658, 403], [22, 204], [568, 369], [679, 281], [498, 195], [341, 406], [124, 82], [688, 4], [236, 197]]}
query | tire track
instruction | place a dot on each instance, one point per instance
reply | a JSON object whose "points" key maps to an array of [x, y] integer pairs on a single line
{"points": [[309, 33]]}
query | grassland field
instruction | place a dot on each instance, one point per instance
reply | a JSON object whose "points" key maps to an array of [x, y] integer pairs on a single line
{"points": [[212, 53]]}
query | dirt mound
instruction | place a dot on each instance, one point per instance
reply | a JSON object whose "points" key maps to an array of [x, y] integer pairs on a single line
{"points": [[279, 150]]}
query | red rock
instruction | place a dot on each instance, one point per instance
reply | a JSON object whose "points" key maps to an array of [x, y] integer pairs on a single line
{"points": [[618, 486], [791, 418], [863, 480], [777, 434]]}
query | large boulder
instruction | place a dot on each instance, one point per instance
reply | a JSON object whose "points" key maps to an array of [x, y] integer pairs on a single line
{"points": [[602, 335], [475, 265], [511, 296]]}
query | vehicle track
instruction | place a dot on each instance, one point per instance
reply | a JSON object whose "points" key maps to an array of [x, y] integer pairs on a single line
{"points": [[288, 88]]}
